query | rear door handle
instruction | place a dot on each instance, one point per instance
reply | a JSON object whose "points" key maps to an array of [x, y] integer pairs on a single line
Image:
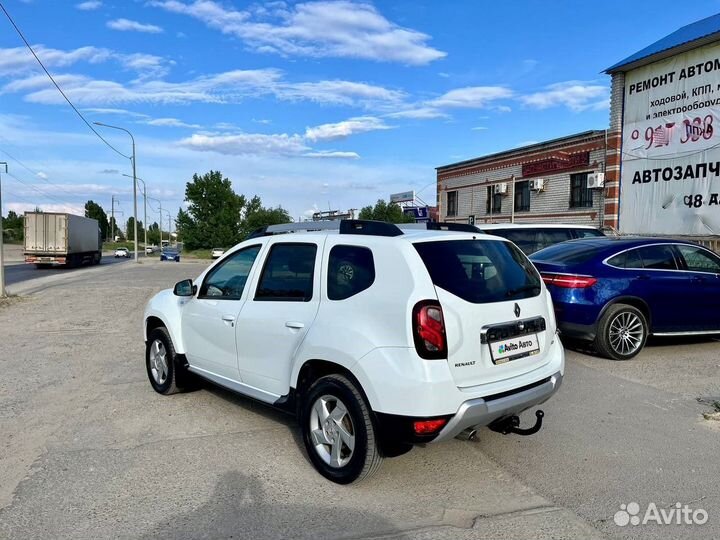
{"points": [[294, 324], [229, 319]]}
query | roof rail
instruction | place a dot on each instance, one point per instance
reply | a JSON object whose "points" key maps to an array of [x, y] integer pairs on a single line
{"points": [[441, 226], [368, 227], [345, 226]]}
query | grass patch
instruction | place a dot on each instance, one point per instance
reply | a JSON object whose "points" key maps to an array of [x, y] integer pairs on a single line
{"points": [[10, 300], [197, 254]]}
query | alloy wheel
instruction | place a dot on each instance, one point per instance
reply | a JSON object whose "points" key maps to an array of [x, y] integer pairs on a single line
{"points": [[626, 333], [332, 431], [158, 362]]}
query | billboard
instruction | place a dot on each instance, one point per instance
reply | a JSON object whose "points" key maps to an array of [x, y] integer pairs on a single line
{"points": [[405, 196], [671, 149]]}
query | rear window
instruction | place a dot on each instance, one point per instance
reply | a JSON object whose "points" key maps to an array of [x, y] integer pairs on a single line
{"points": [[480, 271], [569, 253]]}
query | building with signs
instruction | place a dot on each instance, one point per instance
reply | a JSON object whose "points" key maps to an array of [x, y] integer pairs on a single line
{"points": [[560, 180], [664, 158]]}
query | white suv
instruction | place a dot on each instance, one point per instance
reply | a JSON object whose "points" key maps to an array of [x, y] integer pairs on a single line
{"points": [[377, 338]]}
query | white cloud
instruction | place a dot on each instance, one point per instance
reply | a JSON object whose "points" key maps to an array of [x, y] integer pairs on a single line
{"points": [[21, 207], [126, 25], [479, 128], [18, 59], [575, 95], [332, 154], [170, 122], [41, 175], [341, 130], [338, 92], [89, 5], [471, 97], [329, 28], [248, 144], [418, 113]]}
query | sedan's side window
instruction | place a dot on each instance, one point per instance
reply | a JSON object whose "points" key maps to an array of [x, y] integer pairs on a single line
{"points": [[659, 257], [699, 260], [288, 273], [227, 280]]}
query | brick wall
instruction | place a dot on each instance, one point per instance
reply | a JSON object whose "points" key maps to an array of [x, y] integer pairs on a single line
{"points": [[612, 177], [550, 205]]}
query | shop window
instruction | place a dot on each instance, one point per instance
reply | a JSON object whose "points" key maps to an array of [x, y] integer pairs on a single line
{"points": [[496, 199], [522, 196], [580, 195], [452, 203]]}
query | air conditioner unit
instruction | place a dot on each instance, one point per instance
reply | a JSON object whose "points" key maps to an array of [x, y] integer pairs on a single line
{"points": [[500, 188], [537, 184], [596, 180]]}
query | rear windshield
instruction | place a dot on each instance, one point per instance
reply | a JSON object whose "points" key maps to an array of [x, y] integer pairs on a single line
{"points": [[480, 271], [569, 253]]}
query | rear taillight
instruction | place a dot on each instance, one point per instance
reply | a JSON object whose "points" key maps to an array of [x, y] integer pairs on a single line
{"points": [[426, 427], [429, 330], [569, 281]]}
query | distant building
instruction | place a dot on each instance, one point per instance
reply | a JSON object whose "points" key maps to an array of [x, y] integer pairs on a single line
{"points": [[334, 215], [553, 181], [664, 138]]}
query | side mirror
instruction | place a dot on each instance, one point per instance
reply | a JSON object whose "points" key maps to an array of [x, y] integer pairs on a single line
{"points": [[184, 288]]}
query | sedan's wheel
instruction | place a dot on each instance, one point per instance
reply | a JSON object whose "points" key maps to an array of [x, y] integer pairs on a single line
{"points": [[338, 430], [165, 369], [622, 332]]}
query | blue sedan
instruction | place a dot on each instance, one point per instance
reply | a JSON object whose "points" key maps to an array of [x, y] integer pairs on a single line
{"points": [[169, 255], [615, 292]]}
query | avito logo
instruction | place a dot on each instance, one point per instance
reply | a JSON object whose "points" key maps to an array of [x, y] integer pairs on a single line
{"points": [[509, 347]]}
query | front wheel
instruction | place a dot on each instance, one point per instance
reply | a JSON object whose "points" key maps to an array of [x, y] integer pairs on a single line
{"points": [[622, 332], [167, 371], [338, 430]]}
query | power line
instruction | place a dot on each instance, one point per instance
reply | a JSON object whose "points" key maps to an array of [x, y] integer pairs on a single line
{"points": [[37, 174], [11, 175], [27, 44]]}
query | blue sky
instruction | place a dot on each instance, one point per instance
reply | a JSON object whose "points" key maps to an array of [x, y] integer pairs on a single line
{"points": [[311, 104]]}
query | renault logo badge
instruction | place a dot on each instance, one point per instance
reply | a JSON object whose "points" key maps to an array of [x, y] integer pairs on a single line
{"points": [[517, 310]]}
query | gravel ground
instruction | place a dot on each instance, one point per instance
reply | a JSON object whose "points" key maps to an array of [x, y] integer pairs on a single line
{"points": [[90, 451]]}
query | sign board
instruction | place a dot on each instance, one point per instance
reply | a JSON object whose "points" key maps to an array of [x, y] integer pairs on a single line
{"points": [[420, 213], [558, 162], [670, 181], [471, 220], [405, 196]]}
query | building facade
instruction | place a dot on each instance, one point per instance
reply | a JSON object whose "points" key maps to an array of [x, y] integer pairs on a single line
{"points": [[664, 142], [554, 181]]}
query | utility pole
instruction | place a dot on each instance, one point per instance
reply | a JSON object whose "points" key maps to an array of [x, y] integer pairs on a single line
{"points": [[3, 293], [144, 205], [137, 260], [112, 219], [161, 218]]}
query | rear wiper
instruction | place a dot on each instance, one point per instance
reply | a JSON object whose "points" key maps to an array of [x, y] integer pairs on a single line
{"points": [[526, 288]]}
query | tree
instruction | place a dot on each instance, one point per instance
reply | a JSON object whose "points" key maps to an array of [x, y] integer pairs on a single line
{"points": [[213, 213], [256, 216], [95, 211], [115, 229], [154, 234], [130, 230], [13, 227], [382, 211]]}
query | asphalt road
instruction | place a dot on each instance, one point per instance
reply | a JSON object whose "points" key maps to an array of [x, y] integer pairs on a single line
{"points": [[19, 271], [88, 450]]}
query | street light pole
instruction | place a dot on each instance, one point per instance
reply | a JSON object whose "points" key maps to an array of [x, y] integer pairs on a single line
{"points": [[137, 260], [145, 224], [3, 293]]}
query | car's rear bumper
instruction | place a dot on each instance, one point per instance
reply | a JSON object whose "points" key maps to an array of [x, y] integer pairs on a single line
{"points": [[571, 330], [481, 412]]}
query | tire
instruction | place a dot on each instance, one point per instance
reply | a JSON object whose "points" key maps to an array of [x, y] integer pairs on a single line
{"points": [[622, 332], [167, 372], [353, 423]]}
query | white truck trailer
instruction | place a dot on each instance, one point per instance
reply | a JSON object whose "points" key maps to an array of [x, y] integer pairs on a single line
{"points": [[60, 239]]}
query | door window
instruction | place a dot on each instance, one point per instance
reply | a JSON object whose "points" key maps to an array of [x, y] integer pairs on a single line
{"points": [[658, 257], [227, 280], [351, 270], [288, 273], [699, 260]]}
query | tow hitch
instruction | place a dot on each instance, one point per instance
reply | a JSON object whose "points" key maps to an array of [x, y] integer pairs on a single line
{"points": [[512, 425]]}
